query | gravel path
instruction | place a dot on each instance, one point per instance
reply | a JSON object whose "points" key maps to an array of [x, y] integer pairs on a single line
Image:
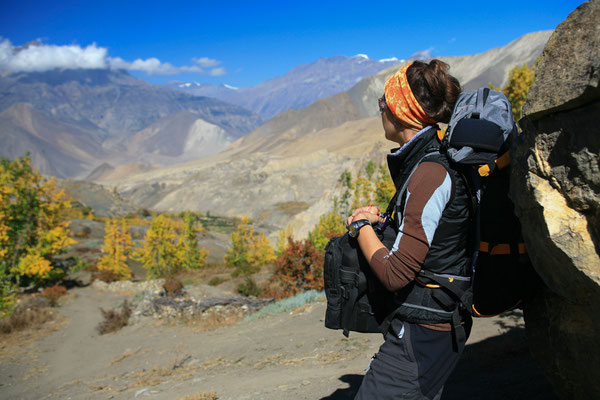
{"points": [[284, 356]]}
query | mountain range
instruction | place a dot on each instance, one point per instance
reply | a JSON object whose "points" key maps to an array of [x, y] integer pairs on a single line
{"points": [[300, 87], [106, 112], [297, 156]]}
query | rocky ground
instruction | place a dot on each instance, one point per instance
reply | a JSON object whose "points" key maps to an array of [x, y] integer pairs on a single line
{"points": [[220, 354]]}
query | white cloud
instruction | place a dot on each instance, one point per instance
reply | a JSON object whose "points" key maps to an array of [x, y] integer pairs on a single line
{"points": [[42, 57], [39, 57], [217, 72], [206, 62]]}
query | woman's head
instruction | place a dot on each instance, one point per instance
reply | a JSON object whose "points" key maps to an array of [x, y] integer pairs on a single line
{"points": [[421, 94]]}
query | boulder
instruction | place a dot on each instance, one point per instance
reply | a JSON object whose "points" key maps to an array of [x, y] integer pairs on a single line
{"points": [[555, 186]]}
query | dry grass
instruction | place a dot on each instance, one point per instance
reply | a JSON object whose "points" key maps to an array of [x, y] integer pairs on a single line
{"points": [[203, 275], [114, 319], [201, 396], [15, 345], [124, 356], [25, 317], [212, 320]]}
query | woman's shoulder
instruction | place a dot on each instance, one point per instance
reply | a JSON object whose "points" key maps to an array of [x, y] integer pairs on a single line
{"points": [[429, 174]]}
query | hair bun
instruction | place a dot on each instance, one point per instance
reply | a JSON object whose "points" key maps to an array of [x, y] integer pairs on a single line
{"points": [[434, 88]]}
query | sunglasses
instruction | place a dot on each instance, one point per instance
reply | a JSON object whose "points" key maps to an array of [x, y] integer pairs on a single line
{"points": [[382, 104]]}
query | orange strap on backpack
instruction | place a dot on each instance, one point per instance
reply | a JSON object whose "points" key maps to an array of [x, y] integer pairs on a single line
{"points": [[501, 248]]}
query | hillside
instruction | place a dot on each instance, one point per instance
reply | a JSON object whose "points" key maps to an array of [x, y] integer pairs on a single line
{"points": [[101, 108], [298, 155]]}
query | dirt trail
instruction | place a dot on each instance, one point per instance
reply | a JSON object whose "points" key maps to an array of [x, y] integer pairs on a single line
{"points": [[288, 355]]}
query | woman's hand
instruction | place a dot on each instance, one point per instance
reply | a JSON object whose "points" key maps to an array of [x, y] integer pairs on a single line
{"points": [[370, 212]]}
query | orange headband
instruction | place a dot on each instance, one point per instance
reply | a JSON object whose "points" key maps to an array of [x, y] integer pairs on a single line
{"points": [[402, 102]]}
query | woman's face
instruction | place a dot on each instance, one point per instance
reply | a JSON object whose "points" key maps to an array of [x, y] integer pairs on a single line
{"points": [[395, 131]]}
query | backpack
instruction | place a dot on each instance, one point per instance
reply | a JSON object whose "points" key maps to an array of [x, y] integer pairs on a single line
{"points": [[478, 138], [356, 300]]}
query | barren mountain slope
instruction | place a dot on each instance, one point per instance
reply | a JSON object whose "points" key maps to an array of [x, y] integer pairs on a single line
{"points": [[56, 148], [265, 186], [179, 137]]}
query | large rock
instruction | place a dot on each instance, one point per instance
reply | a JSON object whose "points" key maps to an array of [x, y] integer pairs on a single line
{"points": [[555, 186]]}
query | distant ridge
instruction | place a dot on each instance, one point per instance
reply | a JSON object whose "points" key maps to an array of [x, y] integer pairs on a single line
{"points": [[300, 87], [100, 109], [361, 100]]}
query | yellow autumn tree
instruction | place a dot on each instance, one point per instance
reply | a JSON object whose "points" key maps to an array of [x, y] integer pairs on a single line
{"points": [[248, 251], [32, 228], [32, 224], [329, 225], [116, 248], [160, 253], [260, 251], [520, 79], [283, 239]]}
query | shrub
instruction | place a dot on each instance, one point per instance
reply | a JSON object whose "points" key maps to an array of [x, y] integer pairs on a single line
{"points": [[106, 276], [249, 288], [299, 268], [53, 293], [31, 315], [114, 319], [217, 280], [173, 287]]}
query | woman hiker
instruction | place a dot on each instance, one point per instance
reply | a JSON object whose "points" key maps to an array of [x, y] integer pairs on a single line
{"points": [[422, 346]]}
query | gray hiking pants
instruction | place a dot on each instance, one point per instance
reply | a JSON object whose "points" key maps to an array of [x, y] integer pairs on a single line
{"points": [[413, 363]]}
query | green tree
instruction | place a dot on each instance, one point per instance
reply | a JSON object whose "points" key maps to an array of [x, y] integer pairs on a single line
{"points": [[343, 203], [192, 256]]}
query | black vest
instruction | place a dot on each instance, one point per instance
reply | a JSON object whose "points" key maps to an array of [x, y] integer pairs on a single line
{"points": [[451, 247]]}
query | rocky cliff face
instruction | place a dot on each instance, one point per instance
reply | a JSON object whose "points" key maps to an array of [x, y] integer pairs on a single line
{"points": [[556, 186]]}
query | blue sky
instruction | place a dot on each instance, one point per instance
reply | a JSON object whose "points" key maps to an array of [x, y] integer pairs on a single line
{"points": [[245, 43]]}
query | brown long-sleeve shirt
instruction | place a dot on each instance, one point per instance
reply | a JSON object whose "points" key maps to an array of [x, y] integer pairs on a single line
{"points": [[429, 190]]}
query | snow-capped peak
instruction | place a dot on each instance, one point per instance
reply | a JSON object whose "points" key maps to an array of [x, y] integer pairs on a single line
{"points": [[230, 87], [366, 57], [391, 59]]}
